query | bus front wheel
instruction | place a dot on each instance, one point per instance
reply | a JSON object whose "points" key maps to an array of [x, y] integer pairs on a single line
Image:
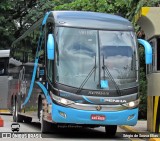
{"points": [[110, 130], [27, 119], [16, 116], [45, 126]]}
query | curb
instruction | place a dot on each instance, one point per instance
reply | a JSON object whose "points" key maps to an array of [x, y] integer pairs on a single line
{"points": [[130, 129], [154, 139]]}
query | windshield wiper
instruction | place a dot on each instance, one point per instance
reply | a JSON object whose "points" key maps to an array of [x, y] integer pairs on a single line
{"points": [[104, 67], [88, 76]]}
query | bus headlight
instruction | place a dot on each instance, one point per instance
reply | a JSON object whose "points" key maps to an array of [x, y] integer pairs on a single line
{"points": [[61, 100], [132, 104]]}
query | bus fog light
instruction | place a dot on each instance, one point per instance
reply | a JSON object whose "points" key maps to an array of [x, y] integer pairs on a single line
{"points": [[63, 114], [130, 117]]}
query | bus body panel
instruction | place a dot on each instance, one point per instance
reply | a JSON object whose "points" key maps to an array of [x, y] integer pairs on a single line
{"points": [[92, 20], [84, 117], [30, 109], [13, 81], [4, 93]]}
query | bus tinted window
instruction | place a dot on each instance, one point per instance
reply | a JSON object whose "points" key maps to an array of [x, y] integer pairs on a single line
{"points": [[3, 66]]}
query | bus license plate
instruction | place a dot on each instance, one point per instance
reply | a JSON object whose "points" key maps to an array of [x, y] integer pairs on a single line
{"points": [[98, 117]]}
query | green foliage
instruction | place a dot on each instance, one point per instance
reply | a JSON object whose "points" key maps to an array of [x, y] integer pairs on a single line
{"points": [[123, 7], [6, 27], [16, 16]]}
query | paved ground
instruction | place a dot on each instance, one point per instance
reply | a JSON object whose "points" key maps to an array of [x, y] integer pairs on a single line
{"points": [[141, 126], [69, 134]]}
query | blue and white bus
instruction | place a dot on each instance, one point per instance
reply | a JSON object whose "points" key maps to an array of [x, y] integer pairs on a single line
{"points": [[85, 71]]}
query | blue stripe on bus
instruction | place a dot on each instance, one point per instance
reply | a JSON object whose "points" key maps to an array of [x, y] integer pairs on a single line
{"points": [[85, 98], [76, 116], [45, 18], [32, 82], [35, 66], [49, 101]]}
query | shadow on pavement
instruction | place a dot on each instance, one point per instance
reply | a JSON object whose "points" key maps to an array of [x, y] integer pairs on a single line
{"points": [[76, 132]]}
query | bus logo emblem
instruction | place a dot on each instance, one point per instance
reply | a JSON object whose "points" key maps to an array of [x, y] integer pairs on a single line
{"points": [[98, 108]]}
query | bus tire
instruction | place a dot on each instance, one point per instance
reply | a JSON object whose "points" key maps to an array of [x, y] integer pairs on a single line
{"points": [[110, 130], [45, 126], [27, 119], [16, 116]]}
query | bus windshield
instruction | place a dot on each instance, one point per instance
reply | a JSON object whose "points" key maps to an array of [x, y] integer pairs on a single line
{"points": [[117, 51], [78, 51]]}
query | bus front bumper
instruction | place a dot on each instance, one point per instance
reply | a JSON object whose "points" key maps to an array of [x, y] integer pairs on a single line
{"points": [[62, 114]]}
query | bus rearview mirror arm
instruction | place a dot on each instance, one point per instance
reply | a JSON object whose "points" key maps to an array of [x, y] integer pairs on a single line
{"points": [[148, 50]]}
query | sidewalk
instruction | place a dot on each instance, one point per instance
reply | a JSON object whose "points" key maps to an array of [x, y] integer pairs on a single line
{"points": [[141, 126]]}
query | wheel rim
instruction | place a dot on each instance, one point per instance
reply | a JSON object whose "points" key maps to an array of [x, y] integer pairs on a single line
{"points": [[41, 113], [15, 112], [41, 116]]}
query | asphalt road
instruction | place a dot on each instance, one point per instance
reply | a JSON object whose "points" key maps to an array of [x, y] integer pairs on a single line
{"points": [[72, 133]]}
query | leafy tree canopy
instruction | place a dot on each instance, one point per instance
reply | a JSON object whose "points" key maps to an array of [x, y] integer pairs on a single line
{"points": [[18, 15]]}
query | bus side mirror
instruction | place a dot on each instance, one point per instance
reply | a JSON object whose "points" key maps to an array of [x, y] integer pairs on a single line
{"points": [[148, 50], [50, 47]]}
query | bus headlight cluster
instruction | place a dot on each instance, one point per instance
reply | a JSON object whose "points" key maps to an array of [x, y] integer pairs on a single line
{"points": [[61, 100], [132, 104]]}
